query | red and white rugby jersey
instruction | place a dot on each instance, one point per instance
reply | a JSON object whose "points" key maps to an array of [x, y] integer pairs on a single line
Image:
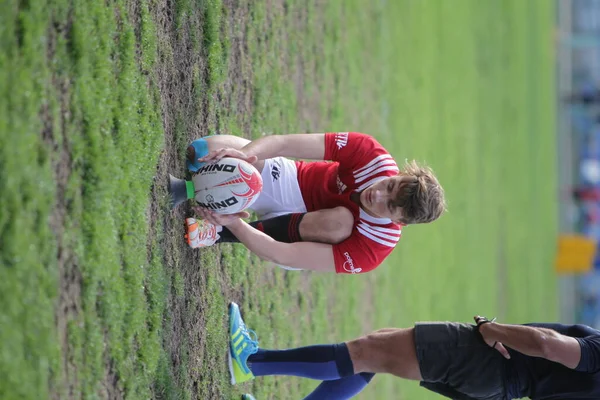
{"points": [[359, 161]]}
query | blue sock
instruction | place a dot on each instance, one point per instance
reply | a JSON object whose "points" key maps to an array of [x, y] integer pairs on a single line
{"points": [[322, 362], [198, 148], [341, 389]]}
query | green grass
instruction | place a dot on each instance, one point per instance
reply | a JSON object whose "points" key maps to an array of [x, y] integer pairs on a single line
{"points": [[110, 112], [30, 353], [467, 87]]}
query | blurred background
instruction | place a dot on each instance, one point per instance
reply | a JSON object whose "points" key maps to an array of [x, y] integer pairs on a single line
{"points": [[578, 261]]}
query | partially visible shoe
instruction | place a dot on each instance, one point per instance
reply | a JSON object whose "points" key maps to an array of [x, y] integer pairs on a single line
{"points": [[242, 344], [200, 233], [248, 396]]}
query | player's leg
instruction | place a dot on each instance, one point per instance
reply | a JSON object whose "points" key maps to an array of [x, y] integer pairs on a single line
{"points": [[345, 368], [334, 364], [390, 350], [331, 363], [341, 389], [324, 226], [202, 146], [441, 347], [284, 228], [329, 226]]}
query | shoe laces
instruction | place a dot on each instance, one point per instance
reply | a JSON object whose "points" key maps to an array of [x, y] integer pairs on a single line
{"points": [[252, 339]]}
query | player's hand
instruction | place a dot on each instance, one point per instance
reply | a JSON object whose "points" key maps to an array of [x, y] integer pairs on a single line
{"points": [[483, 325], [218, 154], [219, 219]]}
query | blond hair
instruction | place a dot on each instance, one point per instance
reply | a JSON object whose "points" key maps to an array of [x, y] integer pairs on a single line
{"points": [[422, 197]]}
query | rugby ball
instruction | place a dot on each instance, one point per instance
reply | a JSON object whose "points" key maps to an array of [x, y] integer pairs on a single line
{"points": [[227, 186]]}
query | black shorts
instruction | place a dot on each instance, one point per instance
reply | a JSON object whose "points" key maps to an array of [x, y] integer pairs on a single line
{"points": [[455, 361]]}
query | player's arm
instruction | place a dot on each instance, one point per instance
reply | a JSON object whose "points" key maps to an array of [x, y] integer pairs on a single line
{"points": [[302, 145], [303, 255], [344, 147], [355, 257], [535, 342]]}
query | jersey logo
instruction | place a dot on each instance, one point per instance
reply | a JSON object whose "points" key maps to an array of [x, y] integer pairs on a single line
{"points": [[341, 139], [211, 204], [349, 265], [340, 185], [275, 170]]}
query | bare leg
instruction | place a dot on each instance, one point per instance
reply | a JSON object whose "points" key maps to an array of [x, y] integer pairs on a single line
{"points": [[327, 226], [389, 351], [229, 141]]}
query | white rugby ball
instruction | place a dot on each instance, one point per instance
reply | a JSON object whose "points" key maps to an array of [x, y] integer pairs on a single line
{"points": [[228, 186]]}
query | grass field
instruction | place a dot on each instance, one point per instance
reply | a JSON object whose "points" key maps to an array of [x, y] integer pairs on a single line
{"points": [[101, 298]]}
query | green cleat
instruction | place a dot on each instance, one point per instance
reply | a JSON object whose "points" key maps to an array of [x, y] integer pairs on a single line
{"points": [[242, 344]]}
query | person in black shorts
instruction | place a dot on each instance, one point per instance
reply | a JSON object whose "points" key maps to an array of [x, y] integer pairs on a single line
{"points": [[485, 360]]}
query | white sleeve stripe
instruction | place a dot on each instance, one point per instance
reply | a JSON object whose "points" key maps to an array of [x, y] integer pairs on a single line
{"points": [[376, 239], [369, 183], [377, 165], [380, 234], [377, 171], [373, 161], [382, 229]]}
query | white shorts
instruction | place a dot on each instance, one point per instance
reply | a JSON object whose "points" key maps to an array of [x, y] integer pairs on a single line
{"points": [[281, 192]]}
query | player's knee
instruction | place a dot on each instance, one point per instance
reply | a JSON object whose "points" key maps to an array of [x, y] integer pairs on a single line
{"points": [[375, 336], [327, 226], [338, 224], [216, 142], [368, 354], [360, 355], [377, 345]]}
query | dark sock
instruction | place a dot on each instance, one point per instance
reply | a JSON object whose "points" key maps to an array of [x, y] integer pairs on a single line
{"points": [[322, 362], [285, 228], [341, 389]]}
